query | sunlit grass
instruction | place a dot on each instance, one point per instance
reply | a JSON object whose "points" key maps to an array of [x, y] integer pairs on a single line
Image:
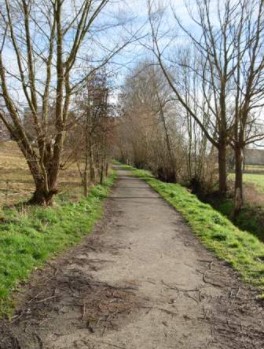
{"points": [[256, 179], [252, 178]]}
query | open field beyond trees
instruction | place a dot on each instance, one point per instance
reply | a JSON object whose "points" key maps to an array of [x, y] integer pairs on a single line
{"points": [[257, 179], [16, 183]]}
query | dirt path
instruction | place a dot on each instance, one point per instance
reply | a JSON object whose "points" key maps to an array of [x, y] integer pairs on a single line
{"points": [[141, 281]]}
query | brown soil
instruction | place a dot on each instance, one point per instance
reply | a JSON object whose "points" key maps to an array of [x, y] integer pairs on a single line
{"points": [[141, 281]]}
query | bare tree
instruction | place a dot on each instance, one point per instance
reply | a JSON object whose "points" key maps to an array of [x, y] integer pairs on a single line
{"points": [[248, 123], [228, 50], [205, 100], [94, 124], [149, 129], [47, 41]]}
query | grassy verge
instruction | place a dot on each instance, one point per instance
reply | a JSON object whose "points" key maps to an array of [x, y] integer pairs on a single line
{"points": [[244, 252], [32, 235], [251, 217]]}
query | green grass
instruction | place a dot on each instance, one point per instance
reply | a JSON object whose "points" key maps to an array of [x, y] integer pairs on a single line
{"points": [[243, 251], [256, 179], [32, 235], [250, 218]]}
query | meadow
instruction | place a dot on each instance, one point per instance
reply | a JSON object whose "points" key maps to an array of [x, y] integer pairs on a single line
{"points": [[255, 178]]}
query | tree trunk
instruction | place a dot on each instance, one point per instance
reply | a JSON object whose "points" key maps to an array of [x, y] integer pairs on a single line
{"points": [[92, 171], [222, 172], [238, 203], [45, 180], [91, 159], [106, 169], [41, 196], [87, 160], [102, 173], [85, 182], [172, 168]]}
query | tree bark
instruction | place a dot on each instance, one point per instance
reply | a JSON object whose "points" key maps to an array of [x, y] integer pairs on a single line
{"points": [[43, 194], [91, 165], [238, 180], [85, 181], [222, 171], [102, 173], [42, 197]]}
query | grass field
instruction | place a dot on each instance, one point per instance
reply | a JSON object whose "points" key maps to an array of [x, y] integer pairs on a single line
{"points": [[252, 178], [16, 183], [240, 249], [253, 187], [256, 179]]}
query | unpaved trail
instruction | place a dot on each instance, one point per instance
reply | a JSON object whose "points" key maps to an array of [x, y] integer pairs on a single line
{"points": [[141, 281]]}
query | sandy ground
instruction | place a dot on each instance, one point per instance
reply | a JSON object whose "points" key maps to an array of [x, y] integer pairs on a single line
{"points": [[140, 281]]}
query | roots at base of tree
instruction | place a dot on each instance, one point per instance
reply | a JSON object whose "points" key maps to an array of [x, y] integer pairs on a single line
{"points": [[42, 198]]}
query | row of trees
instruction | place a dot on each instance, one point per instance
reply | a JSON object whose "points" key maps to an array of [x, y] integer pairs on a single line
{"points": [[218, 77], [155, 132], [214, 68], [89, 140]]}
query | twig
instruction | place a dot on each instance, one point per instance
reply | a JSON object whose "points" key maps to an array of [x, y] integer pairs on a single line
{"points": [[210, 282], [114, 345], [169, 286], [83, 310], [39, 341], [188, 295], [17, 317], [168, 312], [204, 261], [46, 299], [32, 299], [53, 267]]}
